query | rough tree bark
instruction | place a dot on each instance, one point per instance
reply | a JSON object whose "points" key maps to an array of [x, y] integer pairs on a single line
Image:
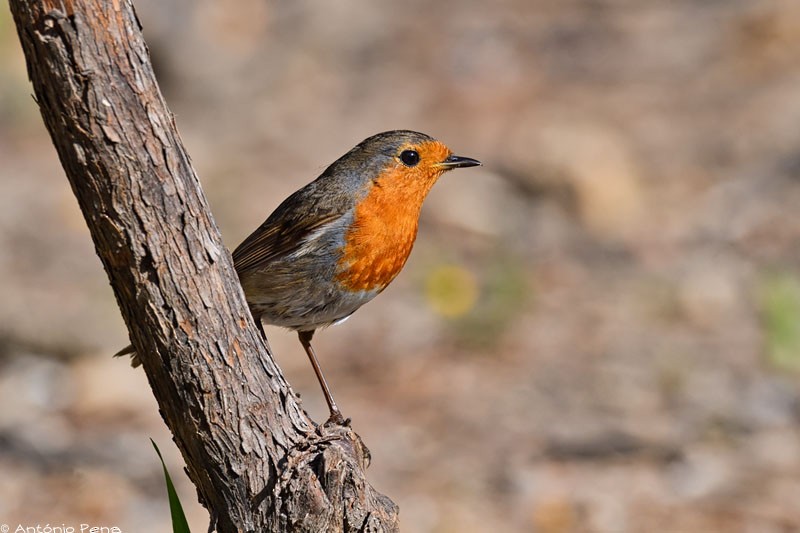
{"points": [[258, 461]]}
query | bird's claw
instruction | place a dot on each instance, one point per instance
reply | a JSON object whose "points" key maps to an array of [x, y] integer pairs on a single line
{"points": [[336, 419]]}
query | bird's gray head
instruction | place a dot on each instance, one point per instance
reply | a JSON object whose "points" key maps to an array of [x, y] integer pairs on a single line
{"points": [[409, 154]]}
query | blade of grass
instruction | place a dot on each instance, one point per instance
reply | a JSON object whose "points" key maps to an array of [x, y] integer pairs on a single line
{"points": [[179, 523]]}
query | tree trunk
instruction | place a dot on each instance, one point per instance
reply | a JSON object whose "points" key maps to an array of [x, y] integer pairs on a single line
{"points": [[258, 461]]}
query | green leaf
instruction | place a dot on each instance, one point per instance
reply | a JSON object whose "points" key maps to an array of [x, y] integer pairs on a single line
{"points": [[179, 523], [780, 314]]}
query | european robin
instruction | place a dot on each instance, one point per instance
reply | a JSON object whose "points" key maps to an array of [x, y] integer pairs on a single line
{"points": [[336, 243]]}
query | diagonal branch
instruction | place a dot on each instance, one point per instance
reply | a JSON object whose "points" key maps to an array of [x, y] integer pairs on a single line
{"points": [[258, 461]]}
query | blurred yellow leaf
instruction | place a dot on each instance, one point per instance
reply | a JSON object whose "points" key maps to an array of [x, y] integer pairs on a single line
{"points": [[451, 291]]}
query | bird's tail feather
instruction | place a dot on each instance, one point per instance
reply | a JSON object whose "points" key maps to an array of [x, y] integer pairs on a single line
{"points": [[130, 350]]}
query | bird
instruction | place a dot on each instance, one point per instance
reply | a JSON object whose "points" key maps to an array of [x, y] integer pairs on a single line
{"points": [[339, 241]]}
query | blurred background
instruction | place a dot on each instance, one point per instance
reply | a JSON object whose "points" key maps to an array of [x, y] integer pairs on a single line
{"points": [[598, 330]]}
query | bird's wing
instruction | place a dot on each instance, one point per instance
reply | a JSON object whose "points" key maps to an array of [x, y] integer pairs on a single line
{"points": [[289, 228], [277, 240]]}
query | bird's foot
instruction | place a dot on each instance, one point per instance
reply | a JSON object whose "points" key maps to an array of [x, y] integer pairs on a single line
{"points": [[336, 419]]}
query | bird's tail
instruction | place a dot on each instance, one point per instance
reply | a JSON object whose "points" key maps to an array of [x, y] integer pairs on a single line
{"points": [[130, 350]]}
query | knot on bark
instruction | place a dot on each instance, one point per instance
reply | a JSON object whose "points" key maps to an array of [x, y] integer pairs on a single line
{"points": [[323, 475]]}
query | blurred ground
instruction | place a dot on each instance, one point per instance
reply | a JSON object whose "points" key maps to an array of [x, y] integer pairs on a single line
{"points": [[598, 331]]}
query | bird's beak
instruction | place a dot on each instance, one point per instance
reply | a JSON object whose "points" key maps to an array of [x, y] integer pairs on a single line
{"points": [[456, 161]]}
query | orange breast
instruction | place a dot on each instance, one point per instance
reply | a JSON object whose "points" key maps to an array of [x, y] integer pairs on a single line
{"points": [[384, 229]]}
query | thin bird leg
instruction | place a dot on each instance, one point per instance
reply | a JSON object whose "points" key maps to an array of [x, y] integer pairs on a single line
{"points": [[260, 326], [305, 340]]}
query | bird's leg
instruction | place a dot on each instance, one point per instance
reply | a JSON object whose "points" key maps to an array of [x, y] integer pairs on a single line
{"points": [[260, 326], [305, 340]]}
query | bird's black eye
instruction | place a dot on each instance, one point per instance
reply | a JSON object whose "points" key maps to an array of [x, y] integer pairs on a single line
{"points": [[409, 157]]}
